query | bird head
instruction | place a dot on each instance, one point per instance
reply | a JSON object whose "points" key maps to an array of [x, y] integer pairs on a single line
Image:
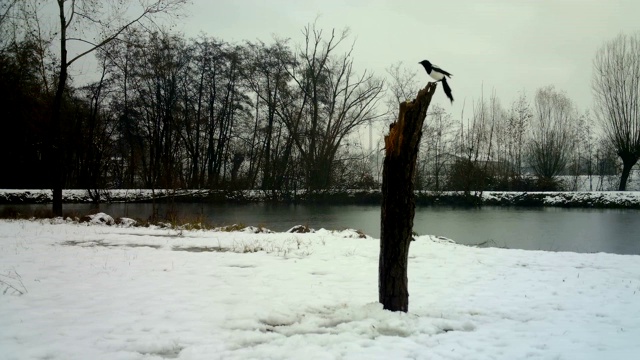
{"points": [[425, 63]]}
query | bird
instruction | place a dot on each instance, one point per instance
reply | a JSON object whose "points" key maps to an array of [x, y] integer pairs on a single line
{"points": [[438, 74]]}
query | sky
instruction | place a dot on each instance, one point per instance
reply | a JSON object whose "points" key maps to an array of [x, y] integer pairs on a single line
{"points": [[502, 45]]}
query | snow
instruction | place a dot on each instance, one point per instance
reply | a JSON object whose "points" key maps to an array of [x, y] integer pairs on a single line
{"points": [[104, 219], [81, 291], [582, 198], [587, 199]]}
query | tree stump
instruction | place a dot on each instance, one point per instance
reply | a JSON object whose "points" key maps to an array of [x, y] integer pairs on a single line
{"points": [[398, 200]]}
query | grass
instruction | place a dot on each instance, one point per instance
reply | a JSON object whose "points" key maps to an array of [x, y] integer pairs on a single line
{"points": [[232, 228], [101, 243], [199, 249], [186, 222], [11, 283], [172, 219], [292, 247]]}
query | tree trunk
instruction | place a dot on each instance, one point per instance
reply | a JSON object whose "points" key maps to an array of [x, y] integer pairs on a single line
{"points": [[398, 200], [56, 122], [628, 161]]}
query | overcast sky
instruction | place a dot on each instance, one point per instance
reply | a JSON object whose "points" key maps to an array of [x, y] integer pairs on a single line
{"points": [[502, 45]]}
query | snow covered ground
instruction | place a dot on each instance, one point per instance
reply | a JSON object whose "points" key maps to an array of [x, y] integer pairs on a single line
{"points": [[87, 291]]}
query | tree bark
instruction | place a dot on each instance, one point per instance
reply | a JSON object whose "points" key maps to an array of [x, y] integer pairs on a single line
{"points": [[57, 155], [398, 200], [628, 162]]}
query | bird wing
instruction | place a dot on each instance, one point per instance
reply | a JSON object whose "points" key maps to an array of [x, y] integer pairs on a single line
{"points": [[438, 69]]}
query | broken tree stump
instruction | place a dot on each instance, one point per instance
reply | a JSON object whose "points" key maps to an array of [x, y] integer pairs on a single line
{"points": [[398, 200]]}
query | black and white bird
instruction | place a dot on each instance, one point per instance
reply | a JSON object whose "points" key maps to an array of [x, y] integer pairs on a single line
{"points": [[438, 75]]}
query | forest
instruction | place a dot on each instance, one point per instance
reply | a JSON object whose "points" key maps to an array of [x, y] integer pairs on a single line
{"points": [[167, 111]]}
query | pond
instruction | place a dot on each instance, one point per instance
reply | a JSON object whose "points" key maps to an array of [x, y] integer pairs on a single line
{"points": [[549, 229]]}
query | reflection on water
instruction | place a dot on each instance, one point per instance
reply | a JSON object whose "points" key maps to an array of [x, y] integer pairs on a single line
{"points": [[551, 229]]}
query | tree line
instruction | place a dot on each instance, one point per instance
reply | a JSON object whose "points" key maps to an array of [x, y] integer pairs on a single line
{"points": [[542, 144], [173, 112], [167, 111], [531, 143]]}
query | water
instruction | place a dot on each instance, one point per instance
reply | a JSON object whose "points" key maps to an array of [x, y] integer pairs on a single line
{"points": [[550, 229]]}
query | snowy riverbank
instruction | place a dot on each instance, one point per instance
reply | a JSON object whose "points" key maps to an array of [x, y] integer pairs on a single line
{"points": [[584, 199], [82, 291]]}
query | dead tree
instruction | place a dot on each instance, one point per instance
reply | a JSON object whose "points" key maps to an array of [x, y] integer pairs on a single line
{"points": [[398, 200]]}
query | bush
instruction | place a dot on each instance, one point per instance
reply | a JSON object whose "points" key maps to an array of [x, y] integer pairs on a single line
{"points": [[548, 184]]}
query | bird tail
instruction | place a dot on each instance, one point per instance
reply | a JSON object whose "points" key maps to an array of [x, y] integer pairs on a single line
{"points": [[447, 89]]}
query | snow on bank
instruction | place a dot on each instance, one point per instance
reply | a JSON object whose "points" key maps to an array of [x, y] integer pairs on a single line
{"points": [[40, 196], [585, 199], [81, 291]]}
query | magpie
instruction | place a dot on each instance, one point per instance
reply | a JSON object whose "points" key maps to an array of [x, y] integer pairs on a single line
{"points": [[438, 75]]}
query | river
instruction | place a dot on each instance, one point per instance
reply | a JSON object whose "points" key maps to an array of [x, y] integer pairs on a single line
{"points": [[549, 229]]}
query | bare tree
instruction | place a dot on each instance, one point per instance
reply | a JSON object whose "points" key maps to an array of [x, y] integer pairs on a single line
{"points": [[7, 22], [517, 125], [12, 14], [266, 75], [402, 86], [436, 149], [109, 20], [331, 102], [606, 165], [616, 88], [581, 157], [475, 147], [161, 62], [551, 134], [5, 10], [20, 26], [24, 109]]}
